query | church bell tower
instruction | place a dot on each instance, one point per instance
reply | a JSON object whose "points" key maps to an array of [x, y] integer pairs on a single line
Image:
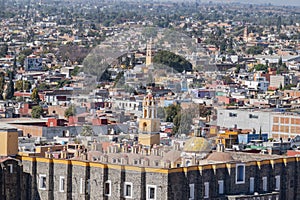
{"points": [[149, 53], [149, 124]]}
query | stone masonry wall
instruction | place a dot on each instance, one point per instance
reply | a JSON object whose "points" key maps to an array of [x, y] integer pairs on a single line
{"points": [[85, 180]]}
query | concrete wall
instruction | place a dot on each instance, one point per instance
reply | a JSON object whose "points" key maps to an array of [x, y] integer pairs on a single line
{"points": [[243, 121]]}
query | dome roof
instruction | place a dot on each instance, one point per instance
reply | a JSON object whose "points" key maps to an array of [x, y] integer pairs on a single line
{"points": [[220, 157], [197, 144]]}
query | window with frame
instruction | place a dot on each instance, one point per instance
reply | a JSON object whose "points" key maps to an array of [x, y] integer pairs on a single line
{"points": [[251, 189], [240, 173], [81, 186], [127, 190], [107, 188], [232, 114], [251, 116], [151, 192], [192, 192], [61, 183], [277, 182], [42, 182], [206, 190], [221, 186], [265, 183]]}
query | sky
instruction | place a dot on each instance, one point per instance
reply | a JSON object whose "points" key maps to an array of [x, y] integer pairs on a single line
{"points": [[274, 2]]}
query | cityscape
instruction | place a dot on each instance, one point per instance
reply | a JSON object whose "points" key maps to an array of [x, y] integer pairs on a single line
{"points": [[149, 100]]}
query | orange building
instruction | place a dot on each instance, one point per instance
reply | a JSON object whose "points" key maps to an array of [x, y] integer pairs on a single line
{"points": [[285, 126], [8, 142]]}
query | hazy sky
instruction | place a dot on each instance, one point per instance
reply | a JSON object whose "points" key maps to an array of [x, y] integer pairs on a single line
{"points": [[274, 2]]}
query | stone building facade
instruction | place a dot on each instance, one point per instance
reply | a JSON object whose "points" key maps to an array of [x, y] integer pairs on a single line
{"points": [[32, 178]]}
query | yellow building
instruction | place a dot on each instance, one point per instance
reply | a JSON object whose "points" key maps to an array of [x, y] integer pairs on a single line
{"points": [[228, 138], [149, 124], [8, 142]]}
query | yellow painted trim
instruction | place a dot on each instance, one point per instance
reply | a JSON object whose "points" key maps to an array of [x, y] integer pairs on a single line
{"points": [[32, 159], [61, 161], [219, 166], [279, 161], [155, 170], [290, 159], [177, 170], [160, 170], [229, 165], [99, 165], [251, 163], [134, 168], [79, 163], [263, 162], [45, 160], [207, 167], [112, 166]]}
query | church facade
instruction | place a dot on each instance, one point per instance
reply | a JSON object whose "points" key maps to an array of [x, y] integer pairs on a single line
{"points": [[44, 178]]}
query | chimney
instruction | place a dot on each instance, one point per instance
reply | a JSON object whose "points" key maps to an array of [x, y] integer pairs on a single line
{"points": [[134, 149], [49, 154], [84, 155], [177, 146], [125, 148], [144, 151], [77, 152], [63, 153], [93, 146], [220, 147], [161, 151]]}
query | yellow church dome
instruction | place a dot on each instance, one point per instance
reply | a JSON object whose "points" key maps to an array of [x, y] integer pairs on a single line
{"points": [[197, 144]]}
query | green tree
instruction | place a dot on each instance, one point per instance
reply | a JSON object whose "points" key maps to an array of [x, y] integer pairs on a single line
{"points": [[2, 84], [171, 111], [280, 86], [176, 122], [22, 85], [271, 51], [261, 67], [70, 111], [3, 50], [183, 121], [278, 24], [255, 50], [204, 111], [172, 60], [43, 86], [227, 80], [10, 90], [23, 54], [280, 61], [87, 131], [37, 111], [63, 83], [35, 96], [75, 71]]}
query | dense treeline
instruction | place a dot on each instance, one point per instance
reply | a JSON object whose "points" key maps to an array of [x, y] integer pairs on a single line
{"points": [[172, 60]]}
